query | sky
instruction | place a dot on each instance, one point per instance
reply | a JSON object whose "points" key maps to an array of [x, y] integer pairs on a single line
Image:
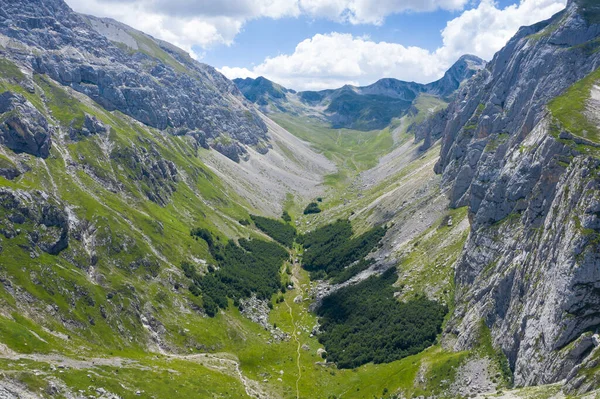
{"points": [[323, 44]]}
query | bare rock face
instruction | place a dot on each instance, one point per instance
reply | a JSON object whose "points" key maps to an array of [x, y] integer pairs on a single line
{"points": [[42, 219], [123, 69], [91, 126], [531, 266], [156, 176], [22, 127]]}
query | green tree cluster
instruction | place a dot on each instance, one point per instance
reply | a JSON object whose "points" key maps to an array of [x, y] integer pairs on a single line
{"points": [[250, 268], [331, 248], [364, 323], [312, 208], [281, 232]]}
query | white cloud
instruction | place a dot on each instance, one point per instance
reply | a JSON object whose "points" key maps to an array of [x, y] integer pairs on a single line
{"points": [[327, 60], [370, 11], [486, 29], [183, 31], [332, 60], [235, 72], [203, 23]]}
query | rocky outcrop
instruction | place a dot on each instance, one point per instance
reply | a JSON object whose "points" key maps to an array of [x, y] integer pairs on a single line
{"points": [[91, 125], [462, 70], [156, 177], [34, 214], [123, 69], [529, 268], [22, 127]]}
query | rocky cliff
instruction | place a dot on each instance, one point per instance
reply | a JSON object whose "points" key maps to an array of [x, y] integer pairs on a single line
{"points": [[515, 151], [126, 70]]}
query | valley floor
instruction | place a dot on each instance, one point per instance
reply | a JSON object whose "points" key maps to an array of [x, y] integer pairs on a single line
{"points": [[250, 362]]}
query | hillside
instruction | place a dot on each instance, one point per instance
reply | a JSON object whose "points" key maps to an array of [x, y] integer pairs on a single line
{"points": [[166, 232]]}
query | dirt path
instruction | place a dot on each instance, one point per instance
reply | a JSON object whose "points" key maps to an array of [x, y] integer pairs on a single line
{"points": [[295, 331], [295, 334], [221, 362]]}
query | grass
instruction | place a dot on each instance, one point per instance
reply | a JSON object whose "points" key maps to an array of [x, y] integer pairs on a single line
{"points": [[426, 106], [496, 141], [548, 30], [103, 319], [9, 70], [352, 150], [569, 108], [114, 293], [426, 265], [152, 49]]}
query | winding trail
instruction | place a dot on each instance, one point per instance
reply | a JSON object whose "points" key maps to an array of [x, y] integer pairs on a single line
{"points": [[295, 334], [221, 362], [296, 282]]}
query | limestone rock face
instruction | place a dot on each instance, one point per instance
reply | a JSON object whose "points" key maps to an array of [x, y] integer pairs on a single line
{"points": [[124, 69], [22, 127], [91, 125], [531, 266], [34, 214]]}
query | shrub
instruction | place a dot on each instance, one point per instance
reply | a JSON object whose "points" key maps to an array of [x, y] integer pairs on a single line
{"points": [[312, 208], [250, 268], [331, 248], [286, 216]]}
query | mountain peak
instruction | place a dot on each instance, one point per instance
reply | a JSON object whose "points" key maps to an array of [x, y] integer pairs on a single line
{"points": [[465, 67]]}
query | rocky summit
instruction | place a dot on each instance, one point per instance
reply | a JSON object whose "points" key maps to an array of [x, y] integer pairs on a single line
{"points": [[165, 231]]}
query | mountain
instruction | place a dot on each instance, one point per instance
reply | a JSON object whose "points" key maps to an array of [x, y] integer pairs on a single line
{"points": [[123, 69], [261, 91], [364, 108], [520, 149], [461, 71]]}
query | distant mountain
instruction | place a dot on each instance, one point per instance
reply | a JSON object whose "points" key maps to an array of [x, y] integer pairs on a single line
{"points": [[462, 70], [261, 91], [364, 108]]}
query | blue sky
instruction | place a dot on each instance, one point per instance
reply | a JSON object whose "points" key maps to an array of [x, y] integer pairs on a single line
{"points": [[318, 44], [266, 37]]}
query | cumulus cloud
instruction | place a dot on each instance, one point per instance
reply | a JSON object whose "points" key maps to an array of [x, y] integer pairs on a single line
{"points": [[204, 23], [372, 12], [236, 72], [328, 60], [335, 59], [183, 30], [486, 29], [332, 60]]}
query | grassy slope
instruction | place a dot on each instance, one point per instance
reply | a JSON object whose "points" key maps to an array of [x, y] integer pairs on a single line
{"points": [[128, 218], [569, 108], [352, 150], [30, 329]]}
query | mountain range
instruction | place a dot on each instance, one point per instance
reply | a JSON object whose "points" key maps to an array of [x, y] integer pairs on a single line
{"points": [[365, 108]]}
